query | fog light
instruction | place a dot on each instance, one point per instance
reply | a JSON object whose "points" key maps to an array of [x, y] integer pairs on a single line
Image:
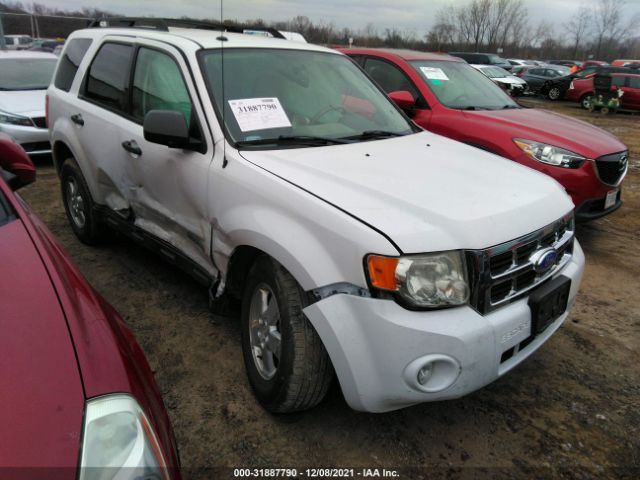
{"points": [[425, 374], [432, 373]]}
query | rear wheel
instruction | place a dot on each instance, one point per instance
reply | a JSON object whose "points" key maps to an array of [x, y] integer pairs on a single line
{"points": [[587, 102], [554, 93], [78, 204], [287, 364]]}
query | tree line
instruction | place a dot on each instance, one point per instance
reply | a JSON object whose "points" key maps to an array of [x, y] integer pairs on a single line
{"points": [[600, 29]]}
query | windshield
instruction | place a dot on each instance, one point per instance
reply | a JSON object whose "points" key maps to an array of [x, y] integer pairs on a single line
{"points": [[458, 85], [496, 60], [495, 72], [274, 93], [26, 73]]}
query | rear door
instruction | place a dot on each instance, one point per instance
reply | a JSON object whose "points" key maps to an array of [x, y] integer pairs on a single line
{"points": [[535, 78]]}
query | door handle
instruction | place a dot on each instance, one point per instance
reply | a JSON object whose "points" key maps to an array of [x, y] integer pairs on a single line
{"points": [[77, 119], [132, 147]]}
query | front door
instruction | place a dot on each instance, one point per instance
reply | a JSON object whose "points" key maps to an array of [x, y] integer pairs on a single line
{"points": [[169, 191]]}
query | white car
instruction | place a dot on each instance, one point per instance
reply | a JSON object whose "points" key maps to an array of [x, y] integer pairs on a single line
{"points": [[414, 267], [515, 85], [24, 78], [18, 42]]}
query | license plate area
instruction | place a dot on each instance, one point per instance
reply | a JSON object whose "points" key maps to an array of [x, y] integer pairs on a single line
{"points": [[610, 199], [548, 302]]}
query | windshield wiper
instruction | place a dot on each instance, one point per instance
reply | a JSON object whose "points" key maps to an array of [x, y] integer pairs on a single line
{"points": [[506, 107], [292, 140], [371, 134]]}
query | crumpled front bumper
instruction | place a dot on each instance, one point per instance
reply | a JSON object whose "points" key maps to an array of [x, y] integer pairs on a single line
{"points": [[377, 346]]}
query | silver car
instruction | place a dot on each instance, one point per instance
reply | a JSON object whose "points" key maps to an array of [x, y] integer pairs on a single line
{"points": [[24, 78]]}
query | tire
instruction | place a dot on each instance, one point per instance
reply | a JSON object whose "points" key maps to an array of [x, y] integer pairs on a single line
{"points": [[296, 375], [586, 100], [79, 205], [554, 94], [604, 110]]}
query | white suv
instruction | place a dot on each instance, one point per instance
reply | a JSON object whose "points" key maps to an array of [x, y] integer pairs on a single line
{"points": [[414, 267]]}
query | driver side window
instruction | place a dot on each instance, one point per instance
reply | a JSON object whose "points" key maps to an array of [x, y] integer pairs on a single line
{"points": [[390, 78]]}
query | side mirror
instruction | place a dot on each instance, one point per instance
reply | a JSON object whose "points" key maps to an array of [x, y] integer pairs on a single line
{"points": [[167, 127], [16, 167], [403, 99]]}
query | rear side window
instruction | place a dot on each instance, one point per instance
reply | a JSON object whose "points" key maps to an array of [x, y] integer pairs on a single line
{"points": [[70, 61], [618, 81], [108, 76], [158, 85]]}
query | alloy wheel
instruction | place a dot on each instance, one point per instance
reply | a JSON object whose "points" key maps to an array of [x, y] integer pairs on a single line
{"points": [[264, 331]]}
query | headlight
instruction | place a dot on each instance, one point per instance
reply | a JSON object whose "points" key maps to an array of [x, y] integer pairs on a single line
{"points": [[424, 281], [119, 442], [549, 154], [11, 119]]}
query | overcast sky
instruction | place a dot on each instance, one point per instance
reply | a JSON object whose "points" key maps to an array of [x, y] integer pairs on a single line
{"points": [[414, 15]]}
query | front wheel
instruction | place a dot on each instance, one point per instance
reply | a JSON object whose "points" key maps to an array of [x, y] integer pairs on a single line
{"points": [[287, 365]]}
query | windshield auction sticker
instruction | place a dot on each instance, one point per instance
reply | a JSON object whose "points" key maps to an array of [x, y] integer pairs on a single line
{"points": [[433, 73], [259, 114]]}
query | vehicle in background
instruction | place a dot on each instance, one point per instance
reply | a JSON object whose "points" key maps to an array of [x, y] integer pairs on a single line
{"points": [[537, 77], [24, 79], [58, 50], [593, 63], [556, 89], [513, 84], [565, 63], [625, 63], [516, 62], [82, 399], [446, 96], [18, 42], [518, 70], [581, 89], [483, 59], [44, 45]]}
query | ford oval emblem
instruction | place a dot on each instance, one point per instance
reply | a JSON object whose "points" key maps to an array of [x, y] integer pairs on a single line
{"points": [[544, 260]]}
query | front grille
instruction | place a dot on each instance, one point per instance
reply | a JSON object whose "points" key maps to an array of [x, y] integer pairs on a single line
{"points": [[612, 168], [506, 272], [40, 122]]}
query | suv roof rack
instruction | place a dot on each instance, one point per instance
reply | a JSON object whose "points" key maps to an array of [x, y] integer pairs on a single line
{"points": [[163, 24]]}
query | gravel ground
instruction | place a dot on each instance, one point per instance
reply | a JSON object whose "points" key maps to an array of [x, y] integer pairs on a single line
{"points": [[570, 411]]}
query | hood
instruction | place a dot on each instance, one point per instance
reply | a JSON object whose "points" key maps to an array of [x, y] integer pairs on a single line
{"points": [[426, 192], [552, 128], [510, 80], [41, 398], [29, 103]]}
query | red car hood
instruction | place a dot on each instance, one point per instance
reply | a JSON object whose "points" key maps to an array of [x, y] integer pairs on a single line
{"points": [[552, 128], [41, 395]]}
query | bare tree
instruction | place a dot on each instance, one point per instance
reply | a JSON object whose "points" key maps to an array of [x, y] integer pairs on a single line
{"points": [[609, 24], [578, 28]]}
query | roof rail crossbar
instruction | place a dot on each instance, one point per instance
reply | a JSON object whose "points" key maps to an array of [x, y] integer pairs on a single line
{"points": [[163, 24]]}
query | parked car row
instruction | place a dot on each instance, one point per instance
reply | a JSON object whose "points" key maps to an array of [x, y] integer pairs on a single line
{"points": [[376, 215]]}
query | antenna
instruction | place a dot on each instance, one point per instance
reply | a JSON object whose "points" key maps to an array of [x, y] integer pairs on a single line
{"points": [[224, 98]]}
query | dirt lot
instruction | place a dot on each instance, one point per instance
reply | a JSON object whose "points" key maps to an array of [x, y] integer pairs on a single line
{"points": [[572, 410]]}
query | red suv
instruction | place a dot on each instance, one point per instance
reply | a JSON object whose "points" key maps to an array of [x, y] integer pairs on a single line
{"points": [[447, 96], [78, 397], [581, 90]]}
